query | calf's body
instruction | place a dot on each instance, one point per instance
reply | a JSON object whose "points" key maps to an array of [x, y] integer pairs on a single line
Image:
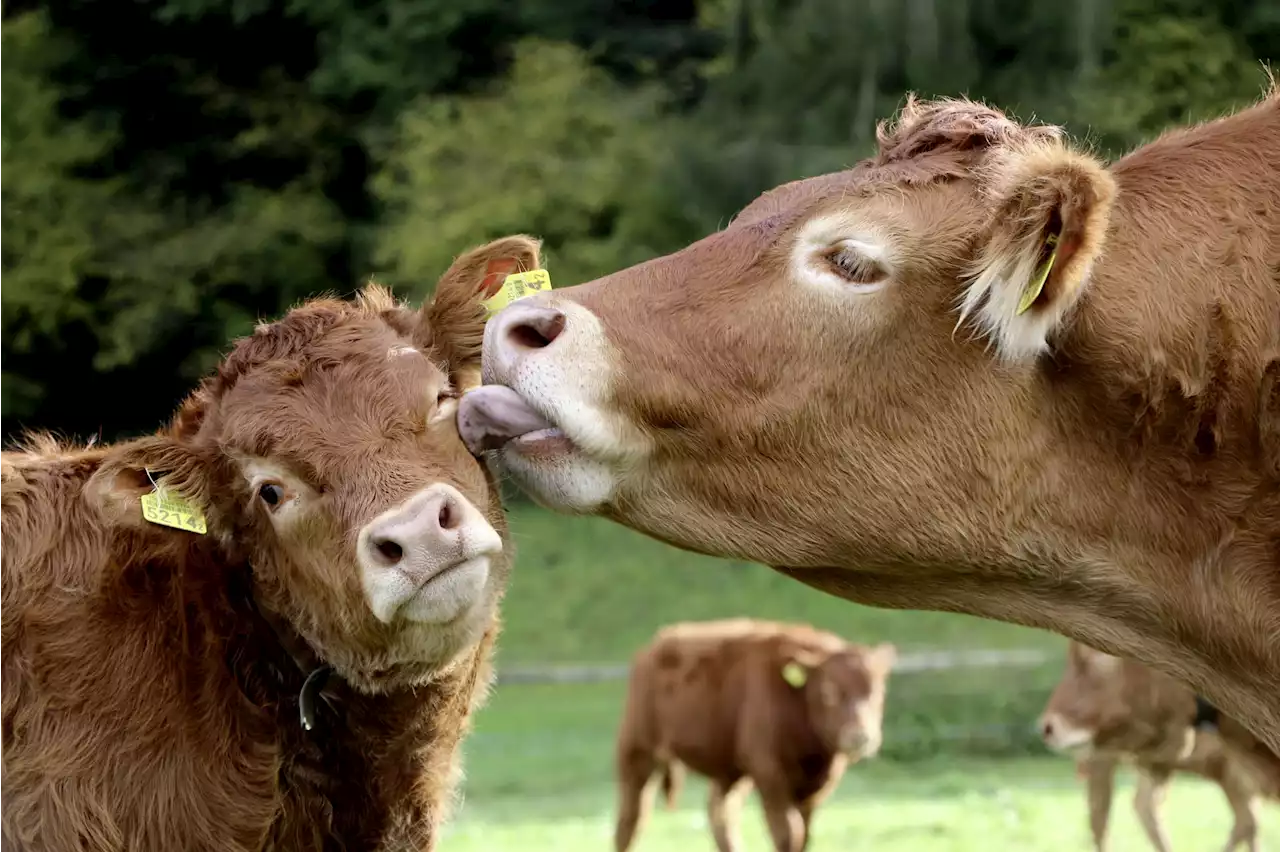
{"points": [[778, 707], [347, 575]]}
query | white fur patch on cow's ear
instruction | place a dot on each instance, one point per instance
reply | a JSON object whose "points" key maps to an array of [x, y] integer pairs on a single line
{"points": [[1101, 662], [1050, 210], [883, 656]]}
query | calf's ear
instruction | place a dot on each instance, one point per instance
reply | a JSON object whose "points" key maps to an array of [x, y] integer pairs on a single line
{"points": [[452, 323], [168, 461], [157, 463], [1050, 208]]}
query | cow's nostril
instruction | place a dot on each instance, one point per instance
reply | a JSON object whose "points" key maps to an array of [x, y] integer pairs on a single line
{"points": [[1047, 729], [389, 550], [448, 518], [536, 332]]}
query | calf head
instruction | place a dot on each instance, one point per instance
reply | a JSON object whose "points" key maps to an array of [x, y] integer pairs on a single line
{"points": [[842, 376], [1108, 704], [844, 694], [325, 457]]}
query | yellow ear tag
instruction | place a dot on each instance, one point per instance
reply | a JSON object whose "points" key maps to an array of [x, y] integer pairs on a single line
{"points": [[794, 674], [1032, 291], [517, 286], [170, 510]]}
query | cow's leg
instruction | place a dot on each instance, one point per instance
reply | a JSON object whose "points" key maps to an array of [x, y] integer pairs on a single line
{"points": [[724, 805], [1100, 776], [786, 825], [635, 795], [1152, 782], [1243, 800]]}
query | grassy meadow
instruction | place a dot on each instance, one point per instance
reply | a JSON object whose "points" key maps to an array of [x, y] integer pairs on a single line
{"points": [[961, 767]]}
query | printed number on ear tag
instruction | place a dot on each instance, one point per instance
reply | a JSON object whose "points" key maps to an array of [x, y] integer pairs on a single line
{"points": [[1032, 291], [794, 674], [169, 510], [517, 286]]}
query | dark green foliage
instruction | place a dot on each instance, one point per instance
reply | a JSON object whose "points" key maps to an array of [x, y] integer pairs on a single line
{"points": [[176, 169]]}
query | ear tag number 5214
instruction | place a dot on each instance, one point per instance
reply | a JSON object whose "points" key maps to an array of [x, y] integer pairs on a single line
{"points": [[169, 510]]}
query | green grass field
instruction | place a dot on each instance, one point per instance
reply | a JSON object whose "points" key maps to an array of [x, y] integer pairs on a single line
{"points": [[539, 779], [961, 767]]}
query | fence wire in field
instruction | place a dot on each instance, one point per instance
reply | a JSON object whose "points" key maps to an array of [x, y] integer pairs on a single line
{"points": [[940, 701]]}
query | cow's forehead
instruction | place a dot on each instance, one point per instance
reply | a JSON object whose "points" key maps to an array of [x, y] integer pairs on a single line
{"points": [[785, 202]]}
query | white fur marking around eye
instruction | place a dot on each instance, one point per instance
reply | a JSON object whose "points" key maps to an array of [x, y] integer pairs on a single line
{"points": [[819, 237], [258, 471]]}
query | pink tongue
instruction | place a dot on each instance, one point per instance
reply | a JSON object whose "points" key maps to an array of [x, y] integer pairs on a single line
{"points": [[491, 415]]}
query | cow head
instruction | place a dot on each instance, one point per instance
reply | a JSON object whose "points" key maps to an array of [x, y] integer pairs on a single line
{"points": [[844, 375], [844, 693], [1108, 704], [325, 457]]}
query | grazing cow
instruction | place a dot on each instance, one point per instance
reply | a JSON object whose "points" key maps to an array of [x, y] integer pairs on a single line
{"points": [[342, 562], [781, 707], [979, 371], [1106, 710]]}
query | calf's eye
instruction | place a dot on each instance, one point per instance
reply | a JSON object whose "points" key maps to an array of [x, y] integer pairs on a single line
{"points": [[271, 494]]}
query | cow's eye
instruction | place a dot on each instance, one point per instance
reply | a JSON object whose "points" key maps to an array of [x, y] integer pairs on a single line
{"points": [[855, 266], [446, 393], [271, 493]]}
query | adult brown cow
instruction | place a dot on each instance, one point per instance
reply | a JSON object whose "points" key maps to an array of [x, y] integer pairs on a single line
{"points": [[781, 707], [153, 675], [977, 372], [1106, 709]]}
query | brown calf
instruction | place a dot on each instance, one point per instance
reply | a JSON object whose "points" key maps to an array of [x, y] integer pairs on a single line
{"points": [[349, 572], [980, 371], [782, 707], [1106, 710]]}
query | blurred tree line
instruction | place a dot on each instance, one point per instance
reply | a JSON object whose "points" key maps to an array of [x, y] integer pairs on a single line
{"points": [[175, 169]]}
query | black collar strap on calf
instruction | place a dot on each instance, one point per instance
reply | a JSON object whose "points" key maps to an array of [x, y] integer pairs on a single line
{"points": [[316, 670], [1206, 715]]}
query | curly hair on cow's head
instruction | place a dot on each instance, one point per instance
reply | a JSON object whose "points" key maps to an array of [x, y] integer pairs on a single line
{"points": [[951, 125]]}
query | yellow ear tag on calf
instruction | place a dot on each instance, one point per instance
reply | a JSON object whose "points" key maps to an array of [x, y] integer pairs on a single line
{"points": [[794, 674], [1032, 291], [170, 510], [517, 286]]}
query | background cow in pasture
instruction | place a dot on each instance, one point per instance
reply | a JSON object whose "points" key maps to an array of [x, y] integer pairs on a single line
{"points": [[344, 552], [1106, 710], [745, 703], [980, 371]]}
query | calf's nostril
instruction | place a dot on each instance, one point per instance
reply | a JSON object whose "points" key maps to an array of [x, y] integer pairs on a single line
{"points": [[1047, 729], [448, 518], [389, 550]]}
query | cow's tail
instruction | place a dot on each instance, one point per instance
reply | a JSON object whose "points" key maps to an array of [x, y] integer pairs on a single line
{"points": [[672, 781]]}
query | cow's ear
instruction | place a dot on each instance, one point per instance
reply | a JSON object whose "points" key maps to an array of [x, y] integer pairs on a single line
{"points": [[157, 464], [1050, 207], [452, 323], [798, 667], [1099, 662], [881, 658]]}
